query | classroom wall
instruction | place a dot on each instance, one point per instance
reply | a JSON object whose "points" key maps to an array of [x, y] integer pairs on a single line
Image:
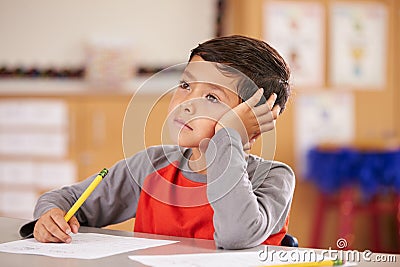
{"points": [[58, 32]]}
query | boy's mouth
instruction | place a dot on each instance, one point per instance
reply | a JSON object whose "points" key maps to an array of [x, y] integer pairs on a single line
{"points": [[182, 124]]}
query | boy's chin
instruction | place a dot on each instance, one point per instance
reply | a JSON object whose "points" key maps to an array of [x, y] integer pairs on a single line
{"points": [[188, 143]]}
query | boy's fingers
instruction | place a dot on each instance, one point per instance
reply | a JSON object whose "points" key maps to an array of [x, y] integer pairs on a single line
{"points": [[60, 228], [42, 235], [58, 218], [55, 231], [47, 237], [267, 127], [74, 224], [255, 98], [44, 231], [267, 118], [52, 227], [271, 100], [275, 111], [264, 110]]}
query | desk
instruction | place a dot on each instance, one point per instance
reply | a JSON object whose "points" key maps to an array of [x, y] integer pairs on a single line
{"points": [[9, 228]]}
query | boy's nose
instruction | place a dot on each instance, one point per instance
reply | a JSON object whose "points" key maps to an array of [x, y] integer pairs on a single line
{"points": [[188, 107]]}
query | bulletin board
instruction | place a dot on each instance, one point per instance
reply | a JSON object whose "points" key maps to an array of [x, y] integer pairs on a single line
{"points": [[373, 86]]}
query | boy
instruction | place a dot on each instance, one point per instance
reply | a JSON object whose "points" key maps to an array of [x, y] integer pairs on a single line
{"points": [[206, 186]]}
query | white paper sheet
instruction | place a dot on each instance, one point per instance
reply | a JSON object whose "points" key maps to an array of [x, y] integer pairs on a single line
{"points": [[83, 246], [231, 259], [239, 259]]}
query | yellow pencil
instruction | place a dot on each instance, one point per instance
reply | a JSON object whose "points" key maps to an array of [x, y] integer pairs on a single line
{"points": [[85, 194], [311, 264]]}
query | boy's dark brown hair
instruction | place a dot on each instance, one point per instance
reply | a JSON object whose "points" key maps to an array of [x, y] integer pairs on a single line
{"points": [[261, 63]]}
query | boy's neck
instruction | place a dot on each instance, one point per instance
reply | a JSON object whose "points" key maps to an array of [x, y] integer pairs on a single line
{"points": [[197, 161]]}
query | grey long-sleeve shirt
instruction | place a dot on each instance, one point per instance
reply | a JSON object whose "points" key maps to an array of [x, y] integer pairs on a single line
{"points": [[250, 196]]}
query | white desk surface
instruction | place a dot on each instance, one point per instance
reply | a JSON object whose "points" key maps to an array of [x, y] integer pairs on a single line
{"points": [[9, 231]]}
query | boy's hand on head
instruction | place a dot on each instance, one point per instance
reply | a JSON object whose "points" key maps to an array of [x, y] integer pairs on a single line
{"points": [[251, 121], [52, 227]]}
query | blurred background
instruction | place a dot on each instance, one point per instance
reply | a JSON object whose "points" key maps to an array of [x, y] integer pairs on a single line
{"points": [[69, 69]]}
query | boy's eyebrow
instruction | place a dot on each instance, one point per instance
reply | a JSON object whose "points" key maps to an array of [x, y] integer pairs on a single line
{"points": [[214, 85], [191, 76]]}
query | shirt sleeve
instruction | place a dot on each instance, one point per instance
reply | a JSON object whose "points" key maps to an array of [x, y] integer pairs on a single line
{"points": [[114, 200], [247, 210]]}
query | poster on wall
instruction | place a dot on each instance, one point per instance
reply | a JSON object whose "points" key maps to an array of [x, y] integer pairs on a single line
{"points": [[358, 44], [319, 120], [297, 30]]}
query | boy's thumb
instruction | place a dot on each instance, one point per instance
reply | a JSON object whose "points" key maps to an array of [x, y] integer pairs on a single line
{"points": [[74, 224]]}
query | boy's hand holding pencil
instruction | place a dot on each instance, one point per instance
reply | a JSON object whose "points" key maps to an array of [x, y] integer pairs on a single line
{"points": [[52, 227], [55, 225]]}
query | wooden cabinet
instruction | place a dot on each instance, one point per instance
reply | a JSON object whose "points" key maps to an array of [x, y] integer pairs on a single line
{"points": [[37, 152], [98, 122]]}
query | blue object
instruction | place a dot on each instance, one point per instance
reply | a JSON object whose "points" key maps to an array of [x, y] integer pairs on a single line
{"points": [[332, 170], [289, 241]]}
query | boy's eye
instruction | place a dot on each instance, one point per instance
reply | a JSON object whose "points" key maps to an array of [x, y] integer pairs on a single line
{"points": [[212, 98], [184, 85]]}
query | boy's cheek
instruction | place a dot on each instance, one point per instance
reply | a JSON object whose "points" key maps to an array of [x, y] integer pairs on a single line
{"points": [[174, 102], [213, 112]]}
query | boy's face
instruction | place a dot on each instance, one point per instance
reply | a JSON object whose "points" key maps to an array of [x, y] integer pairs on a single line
{"points": [[203, 96]]}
